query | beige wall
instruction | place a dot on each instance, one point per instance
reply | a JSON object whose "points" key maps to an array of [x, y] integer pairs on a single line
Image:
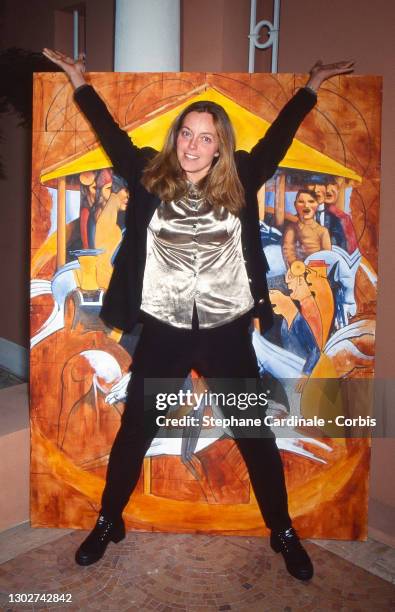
{"points": [[215, 35], [364, 31], [15, 455]]}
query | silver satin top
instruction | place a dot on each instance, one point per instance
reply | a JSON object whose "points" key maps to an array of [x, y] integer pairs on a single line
{"points": [[194, 254]]}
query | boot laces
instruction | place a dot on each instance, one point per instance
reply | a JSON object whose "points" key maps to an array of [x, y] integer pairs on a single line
{"points": [[104, 525], [289, 539]]}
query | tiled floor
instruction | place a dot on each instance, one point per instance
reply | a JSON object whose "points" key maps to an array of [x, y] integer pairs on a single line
{"points": [[373, 556], [170, 572], [191, 573]]}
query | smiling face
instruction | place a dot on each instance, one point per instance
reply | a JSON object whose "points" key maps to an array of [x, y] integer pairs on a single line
{"points": [[197, 145], [306, 206]]}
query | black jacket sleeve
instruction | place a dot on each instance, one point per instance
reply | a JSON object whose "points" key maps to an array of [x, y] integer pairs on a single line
{"points": [[126, 158], [270, 150]]}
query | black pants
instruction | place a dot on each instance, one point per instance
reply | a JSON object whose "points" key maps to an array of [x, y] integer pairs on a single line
{"points": [[220, 354]]}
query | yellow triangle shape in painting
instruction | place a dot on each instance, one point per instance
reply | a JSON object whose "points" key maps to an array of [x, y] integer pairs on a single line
{"points": [[249, 128]]}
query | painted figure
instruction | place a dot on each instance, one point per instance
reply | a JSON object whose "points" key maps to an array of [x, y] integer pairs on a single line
{"points": [[306, 236], [296, 334], [88, 197], [103, 192], [300, 290], [108, 233], [326, 217], [331, 204]]}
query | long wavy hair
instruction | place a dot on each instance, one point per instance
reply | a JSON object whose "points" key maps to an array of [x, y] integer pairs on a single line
{"points": [[165, 178]]}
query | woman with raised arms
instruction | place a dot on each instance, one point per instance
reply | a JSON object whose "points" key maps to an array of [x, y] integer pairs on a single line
{"points": [[192, 269]]}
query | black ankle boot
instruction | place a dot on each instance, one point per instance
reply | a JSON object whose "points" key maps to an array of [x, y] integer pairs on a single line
{"points": [[93, 547], [296, 559]]}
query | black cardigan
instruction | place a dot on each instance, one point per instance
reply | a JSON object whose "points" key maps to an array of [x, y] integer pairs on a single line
{"points": [[122, 301]]}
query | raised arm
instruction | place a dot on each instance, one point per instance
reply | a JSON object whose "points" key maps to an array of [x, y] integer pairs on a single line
{"points": [[74, 69], [127, 159], [271, 149]]}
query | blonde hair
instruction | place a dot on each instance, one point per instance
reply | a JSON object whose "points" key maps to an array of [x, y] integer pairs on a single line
{"points": [[165, 178]]}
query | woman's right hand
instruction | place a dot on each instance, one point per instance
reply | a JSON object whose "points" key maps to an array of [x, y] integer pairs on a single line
{"points": [[73, 68]]}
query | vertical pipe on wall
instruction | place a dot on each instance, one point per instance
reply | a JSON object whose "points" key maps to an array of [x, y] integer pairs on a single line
{"points": [[75, 34], [251, 51], [147, 36], [61, 223], [273, 31], [276, 30]]}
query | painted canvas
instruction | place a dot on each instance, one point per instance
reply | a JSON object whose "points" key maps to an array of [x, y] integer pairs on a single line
{"points": [[318, 359]]}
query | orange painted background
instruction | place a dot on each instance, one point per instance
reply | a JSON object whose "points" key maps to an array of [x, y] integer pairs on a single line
{"points": [[78, 366]]}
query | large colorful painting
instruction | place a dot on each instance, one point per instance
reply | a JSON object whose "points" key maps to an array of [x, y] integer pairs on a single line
{"points": [[319, 231]]}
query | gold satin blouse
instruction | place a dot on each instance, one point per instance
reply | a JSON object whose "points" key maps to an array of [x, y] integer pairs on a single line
{"points": [[194, 255]]}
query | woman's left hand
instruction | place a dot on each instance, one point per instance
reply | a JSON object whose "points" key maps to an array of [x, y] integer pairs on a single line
{"points": [[321, 72]]}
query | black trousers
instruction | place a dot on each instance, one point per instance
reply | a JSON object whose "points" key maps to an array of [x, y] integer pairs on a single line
{"points": [[225, 357]]}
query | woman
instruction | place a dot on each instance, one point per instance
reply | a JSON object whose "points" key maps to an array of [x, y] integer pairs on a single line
{"points": [[191, 268]]}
